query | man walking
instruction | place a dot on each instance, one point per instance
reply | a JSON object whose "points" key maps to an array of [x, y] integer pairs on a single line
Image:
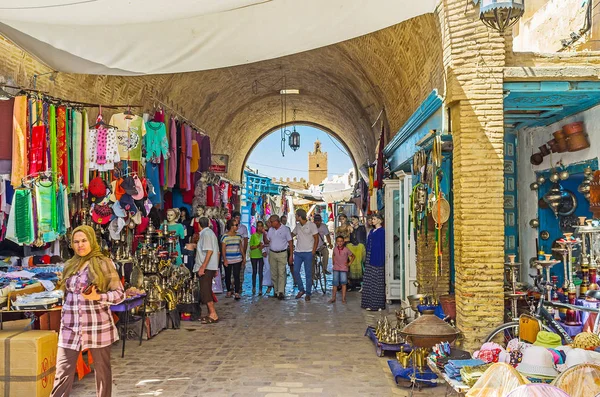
{"points": [[242, 231], [280, 240], [306, 246], [207, 264], [323, 248]]}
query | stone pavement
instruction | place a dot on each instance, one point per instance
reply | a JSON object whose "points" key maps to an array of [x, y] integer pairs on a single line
{"points": [[260, 347]]}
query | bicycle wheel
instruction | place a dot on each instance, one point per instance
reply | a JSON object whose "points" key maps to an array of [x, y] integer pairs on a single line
{"points": [[508, 331]]}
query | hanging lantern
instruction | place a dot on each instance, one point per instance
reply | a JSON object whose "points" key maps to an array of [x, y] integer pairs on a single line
{"points": [[553, 198], [501, 14], [294, 140]]}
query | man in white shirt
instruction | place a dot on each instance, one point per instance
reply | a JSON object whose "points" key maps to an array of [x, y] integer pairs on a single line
{"points": [[306, 246], [207, 264], [243, 233], [324, 235], [280, 240]]}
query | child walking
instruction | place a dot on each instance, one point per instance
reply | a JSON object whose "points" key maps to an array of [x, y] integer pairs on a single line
{"points": [[256, 257], [341, 257]]}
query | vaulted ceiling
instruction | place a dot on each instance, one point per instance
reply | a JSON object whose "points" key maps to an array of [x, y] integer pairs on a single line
{"points": [[343, 88]]}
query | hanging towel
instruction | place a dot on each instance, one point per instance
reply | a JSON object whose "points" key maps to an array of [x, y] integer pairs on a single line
{"points": [[76, 139]]}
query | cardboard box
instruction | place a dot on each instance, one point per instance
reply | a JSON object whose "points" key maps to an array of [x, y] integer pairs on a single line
{"points": [[31, 359]]}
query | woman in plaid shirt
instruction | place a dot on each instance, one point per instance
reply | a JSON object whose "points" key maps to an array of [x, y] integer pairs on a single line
{"points": [[87, 321]]}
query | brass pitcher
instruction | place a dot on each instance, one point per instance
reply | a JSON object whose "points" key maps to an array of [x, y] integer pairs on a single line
{"points": [[420, 357], [404, 358]]}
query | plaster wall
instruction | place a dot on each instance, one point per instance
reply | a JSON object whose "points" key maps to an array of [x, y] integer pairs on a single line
{"points": [[529, 140], [546, 23]]}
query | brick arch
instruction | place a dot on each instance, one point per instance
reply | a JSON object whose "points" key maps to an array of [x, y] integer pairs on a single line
{"points": [[276, 128], [343, 88]]}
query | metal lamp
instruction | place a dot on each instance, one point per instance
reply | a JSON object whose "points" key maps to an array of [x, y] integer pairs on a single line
{"points": [[294, 140], [500, 14]]}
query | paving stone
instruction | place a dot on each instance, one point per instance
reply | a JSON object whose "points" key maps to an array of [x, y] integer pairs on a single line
{"points": [[260, 347]]}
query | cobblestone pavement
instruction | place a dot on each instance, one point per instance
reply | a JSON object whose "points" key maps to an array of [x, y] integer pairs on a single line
{"points": [[260, 347]]}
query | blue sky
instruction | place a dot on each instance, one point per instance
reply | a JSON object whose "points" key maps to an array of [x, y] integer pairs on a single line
{"points": [[266, 156]]}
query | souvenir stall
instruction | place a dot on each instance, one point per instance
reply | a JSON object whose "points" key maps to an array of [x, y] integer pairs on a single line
{"points": [[418, 206], [126, 178]]}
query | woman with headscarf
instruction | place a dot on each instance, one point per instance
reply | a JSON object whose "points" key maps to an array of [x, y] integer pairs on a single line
{"points": [[91, 284], [373, 292]]}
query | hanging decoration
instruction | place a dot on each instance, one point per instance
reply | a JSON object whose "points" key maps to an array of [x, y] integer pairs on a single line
{"points": [[500, 14]]}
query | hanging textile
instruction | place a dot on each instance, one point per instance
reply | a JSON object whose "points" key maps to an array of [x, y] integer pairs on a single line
{"points": [[53, 141], [86, 157], [37, 153], [47, 211], [76, 139], [19, 143], [156, 142], [205, 153], [129, 136], [188, 157], [380, 161], [22, 216], [6, 128], [172, 175], [61, 142], [183, 158]]}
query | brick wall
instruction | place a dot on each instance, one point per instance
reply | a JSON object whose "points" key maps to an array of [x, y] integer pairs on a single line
{"points": [[474, 59]]}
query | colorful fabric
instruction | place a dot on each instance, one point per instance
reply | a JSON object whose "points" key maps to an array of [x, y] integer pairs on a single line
{"points": [[23, 216], [376, 248], [233, 248], [77, 145], [86, 160], [356, 267], [47, 214], [156, 141], [19, 142], [37, 153], [172, 174], [88, 324], [61, 142], [129, 136]]}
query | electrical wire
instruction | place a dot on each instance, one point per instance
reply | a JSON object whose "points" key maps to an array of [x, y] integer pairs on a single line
{"points": [[336, 145]]}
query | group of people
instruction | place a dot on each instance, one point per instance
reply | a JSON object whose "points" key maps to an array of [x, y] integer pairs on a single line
{"points": [[91, 283]]}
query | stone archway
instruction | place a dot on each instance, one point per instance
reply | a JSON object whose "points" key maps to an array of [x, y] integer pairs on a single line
{"points": [[276, 128]]}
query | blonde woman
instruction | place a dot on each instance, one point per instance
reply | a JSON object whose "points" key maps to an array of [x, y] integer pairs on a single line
{"points": [[91, 284]]}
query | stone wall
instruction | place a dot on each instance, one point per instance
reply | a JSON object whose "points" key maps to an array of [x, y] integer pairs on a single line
{"points": [[474, 60]]}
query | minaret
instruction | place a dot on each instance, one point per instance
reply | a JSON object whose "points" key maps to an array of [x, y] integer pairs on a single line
{"points": [[317, 165]]}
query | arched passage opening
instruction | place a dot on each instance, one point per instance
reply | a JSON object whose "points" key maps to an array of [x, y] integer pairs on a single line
{"points": [[333, 143]]}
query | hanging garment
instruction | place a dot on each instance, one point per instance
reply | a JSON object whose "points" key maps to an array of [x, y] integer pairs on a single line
{"points": [[76, 144], [188, 157], [195, 161], [182, 158], [156, 142], [205, 154], [154, 194], [172, 177], [164, 170], [37, 153], [61, 142], [47, 210], [129, 136], [62, 210], [21, 212], [102, 149], [19, 143], [86, 149], [6, 128]]}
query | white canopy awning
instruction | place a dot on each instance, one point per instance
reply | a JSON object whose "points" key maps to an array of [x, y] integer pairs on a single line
{"points": [[157, 36]]}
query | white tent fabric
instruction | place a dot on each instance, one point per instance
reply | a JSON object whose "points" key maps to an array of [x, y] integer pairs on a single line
{"points": [[157, 36]]}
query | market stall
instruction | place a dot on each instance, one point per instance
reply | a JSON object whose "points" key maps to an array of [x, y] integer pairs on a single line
{"points": [[128, 178]]}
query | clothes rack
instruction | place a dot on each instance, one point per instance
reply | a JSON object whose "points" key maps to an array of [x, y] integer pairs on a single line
{"points": [[69, 102]]}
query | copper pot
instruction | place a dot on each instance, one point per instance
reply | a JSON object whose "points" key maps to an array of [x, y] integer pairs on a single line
{"points": [[429, 330], [561, 143], [578, 141], [573, 128]]}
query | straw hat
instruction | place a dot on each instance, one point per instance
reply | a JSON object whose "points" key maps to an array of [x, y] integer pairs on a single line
{"points": [[537, 361]]}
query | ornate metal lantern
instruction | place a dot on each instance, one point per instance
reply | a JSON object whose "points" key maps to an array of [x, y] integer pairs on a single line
{"points": [[500, 14], [294, 140]]}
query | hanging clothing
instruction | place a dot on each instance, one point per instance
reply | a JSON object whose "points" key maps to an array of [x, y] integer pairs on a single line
{"points": [[103, 152], [61, 142], [356, 267], [195, 161], [37, 153], [172, 175], [154, 194], [53, 141], [129, 136], [47, 210], [19, 143], [6, 128], [77, 145], [85, 150], [156, 142], [20, 228], [205, 153], [188, 157]]}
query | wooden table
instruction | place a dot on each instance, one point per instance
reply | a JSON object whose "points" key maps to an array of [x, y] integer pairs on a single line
{"points": [[456, 385], [125, 307]]}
